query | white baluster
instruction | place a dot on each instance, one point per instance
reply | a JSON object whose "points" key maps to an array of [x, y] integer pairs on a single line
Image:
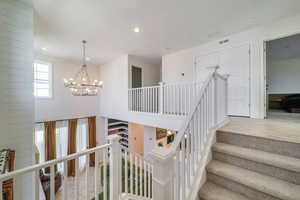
{"points": [[65, 181], [52, 182], [141, 178], [126, 171], [145, 179], [96, 175], [135, 176], [131, 172], [152, 191], [177, 175], [188, 156], [105, 174], [37, 185], [182, 173], [87, 176], [77, 177], [161, 97]]}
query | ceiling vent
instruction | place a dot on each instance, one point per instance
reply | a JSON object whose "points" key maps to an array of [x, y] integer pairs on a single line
{"points": [[224, 41]]}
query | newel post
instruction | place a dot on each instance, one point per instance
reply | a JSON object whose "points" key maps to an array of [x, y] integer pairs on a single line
{"points": [[161, 97], [163, 174], [115, 164]]}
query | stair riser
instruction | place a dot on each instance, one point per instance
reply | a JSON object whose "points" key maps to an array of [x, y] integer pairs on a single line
{"points": [[269, 170], [279, 147], [239, 188]]}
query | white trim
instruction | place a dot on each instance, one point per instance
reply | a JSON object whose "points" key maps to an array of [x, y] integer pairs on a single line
{"points": [[50, 74]]}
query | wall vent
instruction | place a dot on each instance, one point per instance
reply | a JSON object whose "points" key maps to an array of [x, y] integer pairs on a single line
{"points": [[223, 41]]}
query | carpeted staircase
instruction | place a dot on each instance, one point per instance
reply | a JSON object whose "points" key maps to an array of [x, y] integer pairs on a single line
{"points": [[251, 168]]}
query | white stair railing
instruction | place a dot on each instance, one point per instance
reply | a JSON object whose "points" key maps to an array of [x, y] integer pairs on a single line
{"points": [[136, 174], [176, 168], [167, 98], [106, 164], [111, 178]]}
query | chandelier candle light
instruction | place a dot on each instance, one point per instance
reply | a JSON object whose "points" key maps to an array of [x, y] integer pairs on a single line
{"points": [[81, 85]]}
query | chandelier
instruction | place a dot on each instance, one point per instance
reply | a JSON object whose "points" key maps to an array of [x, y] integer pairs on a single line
{"points": [[81, 85]]}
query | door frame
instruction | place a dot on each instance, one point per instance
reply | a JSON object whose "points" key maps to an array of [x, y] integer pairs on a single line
{"points": [[263, 52], [130, 75]]}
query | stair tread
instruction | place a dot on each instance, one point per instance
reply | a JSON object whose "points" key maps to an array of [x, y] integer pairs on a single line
{"points": [[211, 191], [257, 181], [281, 161]]}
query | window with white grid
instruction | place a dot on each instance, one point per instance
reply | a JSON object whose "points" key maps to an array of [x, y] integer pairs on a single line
{"points": [[42, 79]]}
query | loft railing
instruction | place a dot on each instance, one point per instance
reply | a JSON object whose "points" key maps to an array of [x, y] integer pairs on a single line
{"points": [[176, 168], [167, 98], [118, 173]]}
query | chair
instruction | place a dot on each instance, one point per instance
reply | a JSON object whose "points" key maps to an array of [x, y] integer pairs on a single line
{"points": [[45, 181], [7, 159]]}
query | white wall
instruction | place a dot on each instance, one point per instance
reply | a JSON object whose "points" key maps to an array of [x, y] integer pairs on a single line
{"points": [[16, 91], [114, 95], [182, 61], [151, 73], [64, 105], [283, 76]]}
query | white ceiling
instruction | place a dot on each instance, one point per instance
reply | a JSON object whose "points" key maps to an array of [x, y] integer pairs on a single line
{"points": [[284, 48], [166, 25]]}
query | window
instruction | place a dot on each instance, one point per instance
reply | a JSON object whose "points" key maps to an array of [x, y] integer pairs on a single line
{"points": [[81, 140], [42, 79], [40, 141], [61, 142]]}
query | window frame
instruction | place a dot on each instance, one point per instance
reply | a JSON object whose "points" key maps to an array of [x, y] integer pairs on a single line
{"points": [[50, 76]]}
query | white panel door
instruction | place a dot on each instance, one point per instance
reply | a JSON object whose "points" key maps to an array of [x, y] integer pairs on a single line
{"points": [[236, 62], [204, 65]]}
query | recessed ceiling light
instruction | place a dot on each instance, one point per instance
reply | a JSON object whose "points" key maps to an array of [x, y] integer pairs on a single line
{"points": [[136, 29], [44, 49]]}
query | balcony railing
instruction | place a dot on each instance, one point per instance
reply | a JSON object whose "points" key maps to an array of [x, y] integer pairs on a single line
{"points": [[118, 173], [167, 98]]}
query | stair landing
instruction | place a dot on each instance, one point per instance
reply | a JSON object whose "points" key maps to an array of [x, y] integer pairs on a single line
{"points": [[275, 128]]}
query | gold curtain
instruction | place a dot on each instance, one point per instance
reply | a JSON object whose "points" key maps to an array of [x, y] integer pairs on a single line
{"points": [[50, 142], [92, 138], [72, 129]]}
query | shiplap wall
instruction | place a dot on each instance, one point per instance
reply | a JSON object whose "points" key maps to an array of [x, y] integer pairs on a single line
{"points": [[16, 88]]}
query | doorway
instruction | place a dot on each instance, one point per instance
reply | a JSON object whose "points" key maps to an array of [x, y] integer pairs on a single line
{"points": [[136, 77], [283, 76]]}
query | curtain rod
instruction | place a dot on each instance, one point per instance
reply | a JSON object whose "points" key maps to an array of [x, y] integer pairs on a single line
{"points": [[60, 120]]}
